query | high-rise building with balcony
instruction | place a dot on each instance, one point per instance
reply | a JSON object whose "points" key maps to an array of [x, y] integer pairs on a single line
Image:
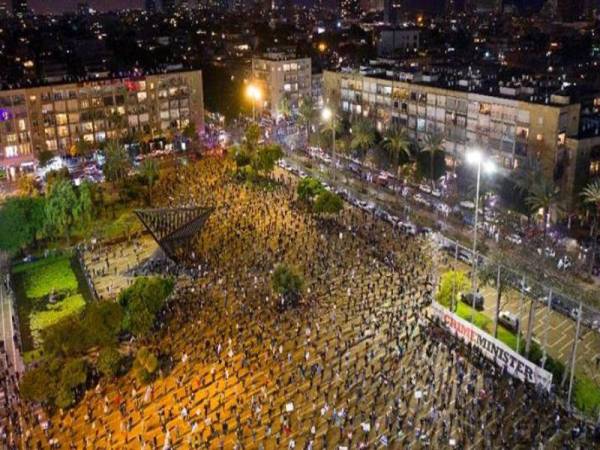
{"points": [[54, 117], [281, 77]]}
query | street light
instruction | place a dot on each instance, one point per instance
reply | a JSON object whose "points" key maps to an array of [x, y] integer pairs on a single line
{"points": [[254, 94], [475, 157], [328, 116]]}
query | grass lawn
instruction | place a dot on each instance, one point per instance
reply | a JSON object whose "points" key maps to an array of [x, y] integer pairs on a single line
{"points": [[33, 283], [487, 324], [42, 277], [587, 395], [40, 320]]}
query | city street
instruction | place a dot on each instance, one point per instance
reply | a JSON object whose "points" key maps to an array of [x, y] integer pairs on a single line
{"points": [[562, 327]]}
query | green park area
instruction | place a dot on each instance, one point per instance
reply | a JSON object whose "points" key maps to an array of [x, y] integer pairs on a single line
{"points": [[47, 291], [586, 393]]}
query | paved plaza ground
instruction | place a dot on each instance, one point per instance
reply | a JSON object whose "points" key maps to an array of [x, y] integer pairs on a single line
{"points": [[356, 365]]}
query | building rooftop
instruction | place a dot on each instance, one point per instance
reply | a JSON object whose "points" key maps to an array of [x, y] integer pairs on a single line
{"points": [[545, 91]]}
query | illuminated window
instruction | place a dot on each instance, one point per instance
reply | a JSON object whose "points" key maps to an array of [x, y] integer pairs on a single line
{"points": [[594, 168]]}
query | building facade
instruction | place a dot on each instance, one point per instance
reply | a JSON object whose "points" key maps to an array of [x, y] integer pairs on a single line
{"points": [[54, 117], [282, 78], [395, 40], [503, 125]]}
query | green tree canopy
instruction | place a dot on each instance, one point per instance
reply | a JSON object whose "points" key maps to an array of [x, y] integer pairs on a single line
{"points": [[38, 384], [60, 211], [288, 283], [116, 162], [109, 361], [22, 221], [142, 301], [363, 135], [308, 188], [452, 283], [328, 203], [145, 365], [266, 157]]}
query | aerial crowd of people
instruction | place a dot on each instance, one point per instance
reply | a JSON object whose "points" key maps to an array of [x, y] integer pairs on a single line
{"points": [[358, 364]]}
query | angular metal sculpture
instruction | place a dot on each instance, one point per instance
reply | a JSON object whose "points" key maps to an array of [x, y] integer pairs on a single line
{"points": [[175, 229]]}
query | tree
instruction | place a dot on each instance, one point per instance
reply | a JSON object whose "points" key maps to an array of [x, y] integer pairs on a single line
{"points": [[38, 384], [363, 136], [145, 365], [307, 113], [22, 220], [251, 137], [397, 143], [433, 147], [328, 203], [27, 186], [103, 321], [543, 195], [84, 208], [265, 158], [73, 373], [109, 361], [149, 172], [308, 188], [116, 121], [287, 283], [116, 162], [59, 209], [68, 337], [142, 301], [591, 196], [451, 284]]}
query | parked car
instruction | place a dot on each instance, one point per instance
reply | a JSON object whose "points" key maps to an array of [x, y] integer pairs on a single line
{"points": [[467, 297], [509, 320], [425, 188]]}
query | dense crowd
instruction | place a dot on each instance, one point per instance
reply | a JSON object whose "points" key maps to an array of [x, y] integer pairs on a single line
{"points": [[357, 365]]}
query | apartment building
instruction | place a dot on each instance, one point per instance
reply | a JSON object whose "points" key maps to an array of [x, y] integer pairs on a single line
{"points": [[54, 117], [508, 122], [281, 76]]}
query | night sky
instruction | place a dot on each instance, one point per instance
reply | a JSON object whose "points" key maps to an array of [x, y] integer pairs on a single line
{"points": [[59, 6]]}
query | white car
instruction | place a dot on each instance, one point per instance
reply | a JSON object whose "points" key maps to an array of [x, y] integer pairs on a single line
{"points": [[436, 193]]}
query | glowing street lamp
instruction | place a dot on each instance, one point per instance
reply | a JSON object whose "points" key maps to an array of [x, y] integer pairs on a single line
{"points": [[475, 157], [255, 95]]}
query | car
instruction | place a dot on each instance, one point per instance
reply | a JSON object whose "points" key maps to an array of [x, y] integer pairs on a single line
{"points": [[465, 256], [508, 320], [425, 230], [467, 297], [436, 193]]}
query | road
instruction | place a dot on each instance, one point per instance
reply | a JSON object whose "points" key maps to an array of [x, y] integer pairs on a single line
{"points": [[8, 329], [562, 328]]}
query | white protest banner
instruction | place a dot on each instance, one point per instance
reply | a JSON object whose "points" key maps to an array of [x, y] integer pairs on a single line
{"points": [[493, 349]]}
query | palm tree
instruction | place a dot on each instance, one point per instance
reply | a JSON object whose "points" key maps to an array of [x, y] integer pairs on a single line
{"points": [[116, 162], [397, 143], [432, 144], [116, 121], [306, 113], [591, 195], [149, 172], [544, 195], [363, 136]]}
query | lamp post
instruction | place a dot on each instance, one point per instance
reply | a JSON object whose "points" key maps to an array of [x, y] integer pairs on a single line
{"points": [[254, 94], [475, 157], [328, 116]]}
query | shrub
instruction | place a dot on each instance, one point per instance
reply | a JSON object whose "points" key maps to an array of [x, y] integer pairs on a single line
{"points": [[145, 365], [109, 361]]}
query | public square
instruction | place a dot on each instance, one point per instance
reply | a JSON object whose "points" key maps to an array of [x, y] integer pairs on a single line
{"points": [[357, 364]]}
